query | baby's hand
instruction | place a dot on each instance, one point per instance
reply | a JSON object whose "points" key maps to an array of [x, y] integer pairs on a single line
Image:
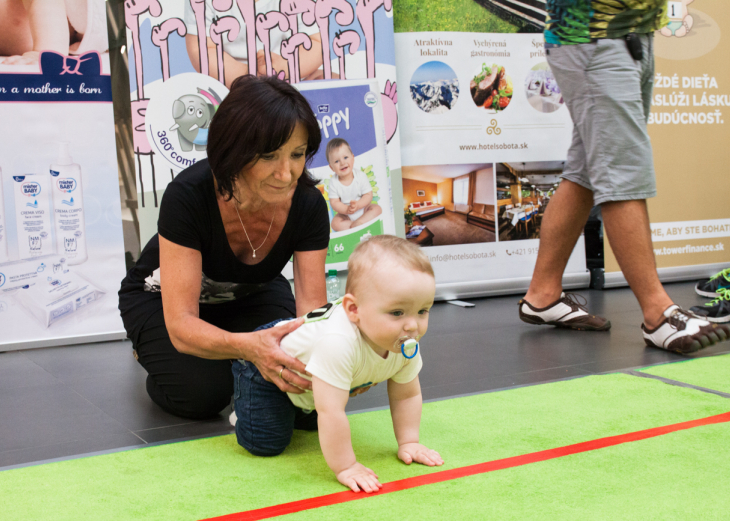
{"points": [[410, 452], [359, 476], [28, 58]]}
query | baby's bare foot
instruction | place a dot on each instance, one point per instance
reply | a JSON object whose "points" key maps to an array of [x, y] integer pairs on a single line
{"points": [[28, 58]]}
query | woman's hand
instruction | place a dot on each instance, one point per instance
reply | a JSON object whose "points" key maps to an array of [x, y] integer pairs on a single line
{"points": [[268, 357]]}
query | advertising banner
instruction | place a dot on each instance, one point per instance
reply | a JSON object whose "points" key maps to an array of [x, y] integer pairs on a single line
{"points": [[690, 129], [484, 136], [351, 163], [192, 50], [61, 246]]}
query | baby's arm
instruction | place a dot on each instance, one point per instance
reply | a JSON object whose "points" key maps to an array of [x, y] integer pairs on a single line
{"points": [[311, 60], [48, 28], [364, 201], [232, 67], [405, 408], [341, 207], [334, 438]]}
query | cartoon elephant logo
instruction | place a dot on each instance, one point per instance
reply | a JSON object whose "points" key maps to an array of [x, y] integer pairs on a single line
{"points": [[192, 115]]}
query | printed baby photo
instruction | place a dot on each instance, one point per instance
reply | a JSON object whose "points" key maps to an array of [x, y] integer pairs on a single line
{"points": [[349, 185], [66, 27]]}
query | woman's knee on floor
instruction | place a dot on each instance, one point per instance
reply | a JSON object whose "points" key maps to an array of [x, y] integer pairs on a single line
{"points": [[194, 402]]}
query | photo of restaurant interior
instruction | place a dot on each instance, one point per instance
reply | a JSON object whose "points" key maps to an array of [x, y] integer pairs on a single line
{"points": [[523, 192], [449, 204]]}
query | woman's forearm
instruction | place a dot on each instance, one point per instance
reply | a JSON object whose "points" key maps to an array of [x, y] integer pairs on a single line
{"points": [[192, 336]]}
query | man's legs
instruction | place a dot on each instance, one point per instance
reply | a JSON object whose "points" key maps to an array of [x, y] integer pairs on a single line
{"points": [[628, 231], [565, 217]]}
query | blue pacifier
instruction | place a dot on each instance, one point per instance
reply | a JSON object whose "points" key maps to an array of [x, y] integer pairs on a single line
{"points": [[409, 346]]}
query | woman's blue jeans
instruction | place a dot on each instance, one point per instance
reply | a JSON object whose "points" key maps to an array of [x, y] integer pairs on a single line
{"points": [[266, 416]]}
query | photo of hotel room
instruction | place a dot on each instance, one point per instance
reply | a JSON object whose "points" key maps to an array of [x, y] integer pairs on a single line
{"points": [[523, 192], [449, 204]]}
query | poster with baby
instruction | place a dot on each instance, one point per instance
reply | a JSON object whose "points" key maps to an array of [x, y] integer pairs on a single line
{"points": [[352, 163], [61, 245], [190, 51]]}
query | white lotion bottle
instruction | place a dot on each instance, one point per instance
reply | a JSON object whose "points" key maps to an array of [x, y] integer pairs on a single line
{"points": [[3, 225], [68, 208], [33, 215]]}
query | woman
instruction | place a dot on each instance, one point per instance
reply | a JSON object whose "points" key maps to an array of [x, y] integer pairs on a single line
{"points": [[227, 227]]}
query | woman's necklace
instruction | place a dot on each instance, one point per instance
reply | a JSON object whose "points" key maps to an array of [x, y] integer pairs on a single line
{"points": [[244, 229]]}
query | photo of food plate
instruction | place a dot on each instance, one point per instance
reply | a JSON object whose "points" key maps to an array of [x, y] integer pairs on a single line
{"points": [[542, 90], [491, 88]]}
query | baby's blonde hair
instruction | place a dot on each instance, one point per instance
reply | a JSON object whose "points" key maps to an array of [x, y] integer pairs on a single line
{"points": [[369, 253]]}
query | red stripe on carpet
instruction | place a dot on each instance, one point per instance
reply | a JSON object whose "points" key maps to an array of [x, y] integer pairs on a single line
{"points": [[471, 470]]}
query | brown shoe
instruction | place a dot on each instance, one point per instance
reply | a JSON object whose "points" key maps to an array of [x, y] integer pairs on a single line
{"points": [[568, 312], [683, 332]]}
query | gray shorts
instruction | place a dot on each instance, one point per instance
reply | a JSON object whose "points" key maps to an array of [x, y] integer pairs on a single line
{"points": [[608, 95]]}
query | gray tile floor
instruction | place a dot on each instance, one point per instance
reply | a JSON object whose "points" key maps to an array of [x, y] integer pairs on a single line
{"points": [[65, 401]]}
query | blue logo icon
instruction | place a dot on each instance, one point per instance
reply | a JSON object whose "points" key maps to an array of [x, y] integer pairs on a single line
{"points": [[67, 184], [30, 189]]}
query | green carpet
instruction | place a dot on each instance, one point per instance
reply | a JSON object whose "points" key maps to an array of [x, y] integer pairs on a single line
{"points": [[712, 372], [681, 476], [212, 477]]}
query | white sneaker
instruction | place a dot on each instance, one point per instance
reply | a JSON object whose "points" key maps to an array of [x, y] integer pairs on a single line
{"points": [[233, 418], [683, 332]]}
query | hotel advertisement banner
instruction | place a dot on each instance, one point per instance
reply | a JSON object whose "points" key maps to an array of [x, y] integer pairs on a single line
{"points": [[191, 51], [689, 128], [484, 134], [61, 245]]}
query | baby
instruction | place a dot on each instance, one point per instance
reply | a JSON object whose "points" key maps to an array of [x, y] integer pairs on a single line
{"points": [[680, 21], [348, 346], [350, 192], [28, 27]]}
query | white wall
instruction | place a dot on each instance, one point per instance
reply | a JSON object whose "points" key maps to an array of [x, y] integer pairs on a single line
{"points": [[485, 192]]}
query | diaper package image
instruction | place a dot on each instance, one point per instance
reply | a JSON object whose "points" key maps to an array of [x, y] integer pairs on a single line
{"points": [[18, 274], [57, 296]]}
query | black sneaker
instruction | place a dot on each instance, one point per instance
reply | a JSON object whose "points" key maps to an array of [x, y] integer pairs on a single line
{"points": [[717, 310], [709, 287]]}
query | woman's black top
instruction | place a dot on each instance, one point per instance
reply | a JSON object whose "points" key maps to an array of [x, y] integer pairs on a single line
{"points": [[189, 216]]}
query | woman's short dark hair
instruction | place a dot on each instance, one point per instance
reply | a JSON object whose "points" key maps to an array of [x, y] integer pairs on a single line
{"points": [[257, 117]]}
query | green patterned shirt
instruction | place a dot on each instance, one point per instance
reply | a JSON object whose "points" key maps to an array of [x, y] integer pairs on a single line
{"points": [[580, 21]]}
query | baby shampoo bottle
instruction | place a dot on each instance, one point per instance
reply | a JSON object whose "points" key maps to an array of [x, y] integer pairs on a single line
{"points": [[33, 215], [68, 208]]}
